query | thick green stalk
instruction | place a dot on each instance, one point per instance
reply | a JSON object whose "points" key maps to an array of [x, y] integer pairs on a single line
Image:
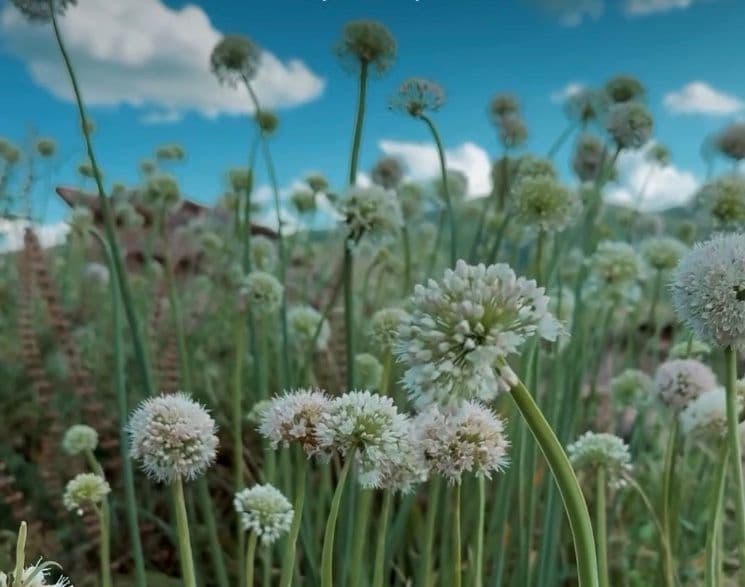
{"points": [[433, 502], [385, 513], [733, 438], [456, 538], [188, 577], [349, 312], [713, 544], [359, 534], [290, 554], [104, 548], [668, 477], [407, 260], [385, 378], [566, 480], [601, 529], [327, 558], [479, 570], [237, 407], [445, 190], [250, 560], [358, 122]]}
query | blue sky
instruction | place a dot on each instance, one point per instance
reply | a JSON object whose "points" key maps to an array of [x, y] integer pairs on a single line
{"points": [[144, 71]]}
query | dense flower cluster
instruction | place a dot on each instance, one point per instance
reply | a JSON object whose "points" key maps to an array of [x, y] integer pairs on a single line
{"points": [[234, 60], [384, 326], [293, 418], [35, 576], [629, 124], [367, 43], [589, 157], [302, 324], [85, 490], [263, 292], [371, 212], [368, 371], [593, 450], [42, 10], [706, 415], [724, 198], [631, 385], [79, 439], [680, 381], [417, 96], [543, 203], [265, 511], [662, 253]]}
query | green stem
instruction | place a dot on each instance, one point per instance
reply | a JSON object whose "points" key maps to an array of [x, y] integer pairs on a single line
{"points": [[733, 438], [385, 513], [456, 540], [667, 496], [385, 378], [358, 121], [566, 480], [188, 577], [359, 533], [238, 408], [205, 504], [349, 312], [407, 260], [250, 559], [479, 570], [327, 558], [713, 545], [601, 529], [433, 500], [445, 189], [288, 562], [105, 546]]}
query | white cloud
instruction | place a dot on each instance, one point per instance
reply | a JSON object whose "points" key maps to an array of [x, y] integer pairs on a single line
{"points": [[422, 162], [644, 7], [569, 90], [572, 13], [700, 98], [11, 234], [147, 55], [647, 186]]}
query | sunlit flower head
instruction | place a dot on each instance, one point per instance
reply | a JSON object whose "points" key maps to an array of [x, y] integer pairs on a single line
{"points": [[265, 511], [263, 253], [370, 426], [85, 490], [303, 200], [302, 324], [706, 415], [502, 105], [730, 142], [263, 292], [463, 326], [317, 183], [466, 439], [724, 199], [42, 10], [585, 105], [629, 124], [708, 290], [293, 417], [388, 172], [679, 381], [173, 437], [589, 157], [662, 253], [416, 96], [624, 88], [630, 386], [235, 60], [371, 212], [544, 204], [79, 439], [615, 264], [367, 43], [161, 191], [384, 327], [512, 131], [593, 450]]}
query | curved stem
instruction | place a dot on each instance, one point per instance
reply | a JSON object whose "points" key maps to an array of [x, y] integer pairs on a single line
{"points": [[713, 544], [456, 540], [566, 480], [445, 189], [188, 577], [601, 529], [288, 562], [385, 513], [327, 558], [733, 438], [358, 122], [250, 559]]}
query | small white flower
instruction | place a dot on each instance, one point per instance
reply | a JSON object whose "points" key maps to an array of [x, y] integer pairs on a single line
{"points": [[263, 292], [265, 511], [35, 577], [371, 212], [631, 385], [84, 490], [368, 371], [293, 417], [302, 323], [384, 327], [79, 439], [593, 449], [680, 381], [706, 415]]}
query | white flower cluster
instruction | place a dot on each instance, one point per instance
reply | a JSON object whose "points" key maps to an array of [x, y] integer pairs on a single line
{"points": [[263, 292], [544, 204], [35, 577], [465, 439], [265, 511], [173, 437], [85, 489], [368, 371], [302, 323], [79, 439], [706, 415], [662, 253], [293, 417], [630, 386], [461, 328], [680, 381], [599, 449], [371, 212], [384, 327]]}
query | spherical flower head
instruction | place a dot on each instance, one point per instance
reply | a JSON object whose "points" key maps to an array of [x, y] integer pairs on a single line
{"points": [[698, 350], [457, 185], [36, 576], [706, 416], [662, 253], [85, 490], [658, 154], [599, 449], [268, 121], [384, 327], [409, 469], [465, 439], [9, 152], [367, 43], [586, 105], [304, 200], [388, 172], [731, 141], [240, 179], [293, 418], [173, 437], [317, 183], [79, 439], [512, 131], [417, 96], [461, 328], [544, 204], [615, 263], [234, 60], [708, 290], [42, 10], [264, 511], [161, 191], [502, 105], [530, 166], [629, 124], [170, 153], [371, 212], [588, 158], [631, 385], [46, 147], [624, 88], [724, 198], [263, 292], [680, 381], [302, 324], [369, 425], [368, 371], [263, 253]]}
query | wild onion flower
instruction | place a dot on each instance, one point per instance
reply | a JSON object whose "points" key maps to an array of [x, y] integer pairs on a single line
{"points": [[79, 439], [36, 576], [624, 88], [410, 195], [502, 105], [371, 212], [173, 437], [724, 198], [589, 157], [615, 264], [512, 131], [680, 381], [698, 350], [317, 183], [629, 124], [9, 152], [466, 439], [417, 96], [662, 253], [263, 292], [46, 147], [366, 43], [599, 449], [263, 253], [404, 473], [161, 191], [461, 327], [457, 184], [631, 385], [368, 371], [85, 490], [265, 511], [370, 426], [586, 105], [302, 324], [543, 203], [293, 418], [303, 200], [708, 290], [384, 327], [267, 121], [706, 415], [235, 60], [730, 142], [42, 10], [387, 173]]}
